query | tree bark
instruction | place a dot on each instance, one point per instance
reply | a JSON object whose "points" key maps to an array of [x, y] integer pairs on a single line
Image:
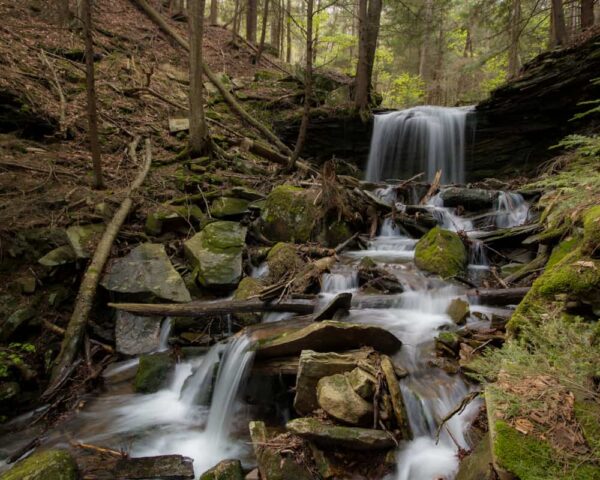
{"points": [[63, 12], [369, 16], [288, 54], [559, 29], [214, 12], [251, 20], [91, 96], [307, 86], [227, 96], [587, 14], [275, 32], [235, 27], [373, 22], [515, 29], [89, 284], [263, 32], [199, 141], [424, 51]]}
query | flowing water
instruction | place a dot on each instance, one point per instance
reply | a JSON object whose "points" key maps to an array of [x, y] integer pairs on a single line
{"points": [[420, 139]]}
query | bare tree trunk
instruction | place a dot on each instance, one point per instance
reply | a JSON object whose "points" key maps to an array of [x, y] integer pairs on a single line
{"points": [[316, 36], [307, 86], [373, 22], [425, 43], [199, 142], [587, 14], [91, 95], [263, 32], [235, 27], [369, 14], [288, 54], [559, 28], [281, 27], [214, 12], [274, 40], [251, 20], [515, 30]]}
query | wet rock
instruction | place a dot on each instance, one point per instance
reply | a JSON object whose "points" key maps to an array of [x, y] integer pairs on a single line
{"points": [[136, 335], [290, 214], [472, 199], [329, 336], [458, 311], [362, 382], [59, 256], [18, 319], [335, 234], [217, 254], [83, 238], [247, 288], [396, 397], [313, 366], [274, 464], [448, 343], [174, 218], [373, 277], [225, 470], [165, 467], [337, 307], [153, 372], [335, 436], [283, 260], [477, 465], [228, 207], [449, 366], [441, 252], [337, 397], [46, 465], [146, 272]]}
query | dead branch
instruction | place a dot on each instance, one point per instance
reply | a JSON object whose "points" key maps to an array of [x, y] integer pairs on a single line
{"points": [[456, 411]]}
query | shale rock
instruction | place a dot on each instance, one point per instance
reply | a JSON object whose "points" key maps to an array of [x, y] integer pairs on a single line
{"points": [[396, 397], [152, 372], [313, 366], [441, 252], [289, 214], [335, 436], [329, 336], [165, 467], [174, 218], [247, 288], [472, 199], [228, 207], [135, 335], [216, 252], [458, 311], [46, 465], [283, 260], [373, 277], [362, 382], [225, 470], [146, 272], [339, 400], [58, 256], [83, 238]]}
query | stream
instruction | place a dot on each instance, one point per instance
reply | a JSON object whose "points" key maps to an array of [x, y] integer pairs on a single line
{"points": [[178, 420]]}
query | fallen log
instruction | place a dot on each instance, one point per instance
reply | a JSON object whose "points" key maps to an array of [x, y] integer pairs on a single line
{"points": [[89, 284], [509, 236], [498, 297], [342, 301], [211, 309]]}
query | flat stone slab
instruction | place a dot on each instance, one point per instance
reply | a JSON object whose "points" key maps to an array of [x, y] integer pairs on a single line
{"points": [[165, 467], [136, 335], [329, 336], [352, 438]]}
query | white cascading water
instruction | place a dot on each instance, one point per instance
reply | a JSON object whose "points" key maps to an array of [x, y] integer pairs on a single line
{"points": [[420, 139], [511, 210]]}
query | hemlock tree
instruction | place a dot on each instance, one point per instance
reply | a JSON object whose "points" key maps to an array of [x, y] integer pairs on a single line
{"points": [[369, 17], [214, 12], [199, 141], [251, 20], [558, 29]]}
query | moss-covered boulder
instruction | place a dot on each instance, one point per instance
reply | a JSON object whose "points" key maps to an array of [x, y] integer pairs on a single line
{"points": [[247, 288], [591, 232], [290, 214], [335, 233], [58, 256], [458, 311], [339, 400], [441, 252], [46, 465], [283, 259], [174, 218], [216, 253], [225, 470], [146, 273], [153, 371], [228, 207]]}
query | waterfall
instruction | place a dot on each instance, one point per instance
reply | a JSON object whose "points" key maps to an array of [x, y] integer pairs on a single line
{"points": [[511, 210], [420, 139]]}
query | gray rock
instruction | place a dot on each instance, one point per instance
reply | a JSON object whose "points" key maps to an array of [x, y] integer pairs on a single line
{"points": [[83, 238], [389, 373], [146, 270], [152, 372], [337, 397], [59, 256], [472, 199], [226, 207], [225, 470], [165, 467], [136, 335], [335, 436], [362, 382], [217, 254], [458, 311]]}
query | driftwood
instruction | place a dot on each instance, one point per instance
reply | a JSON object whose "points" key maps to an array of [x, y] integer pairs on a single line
{"points": [[509, 236], [537, 264], [435, 186], [157, 18], [210, 309], [89, 284], [498, 297]]}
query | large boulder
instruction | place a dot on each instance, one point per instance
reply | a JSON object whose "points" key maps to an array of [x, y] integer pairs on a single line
{"points": [[135, 335], [290, 214], [472, 199], [458, 310], [248, 287], [46, 465], [441, 252], [335, 436], [339, 400], [313, 366], [228, 207], [146, 273], [329, 336], [283, 260], [225, 470], [216, 253], [153, 371]]}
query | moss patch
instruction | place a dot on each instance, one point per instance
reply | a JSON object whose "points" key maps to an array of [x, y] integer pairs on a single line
{"points": [[152, 372], [283, 259], [47, 465], [441, 252], [591, 231]]}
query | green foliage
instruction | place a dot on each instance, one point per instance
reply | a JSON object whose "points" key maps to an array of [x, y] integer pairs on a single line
{"points": [[406, 91], [13, 356]]}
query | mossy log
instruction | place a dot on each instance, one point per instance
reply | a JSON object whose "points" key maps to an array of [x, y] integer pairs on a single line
{"points": [[229, 98], [89, 284]]}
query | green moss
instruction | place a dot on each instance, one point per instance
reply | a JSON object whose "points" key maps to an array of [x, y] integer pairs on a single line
{"points": [[336, 233], [228, 207], [247, 288], [225, 470], [46, 465], [587, 413], [441, 252], [575, 275], [561, 250], [152, 372], [591, 231], [283, 259], [290, 214]]}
